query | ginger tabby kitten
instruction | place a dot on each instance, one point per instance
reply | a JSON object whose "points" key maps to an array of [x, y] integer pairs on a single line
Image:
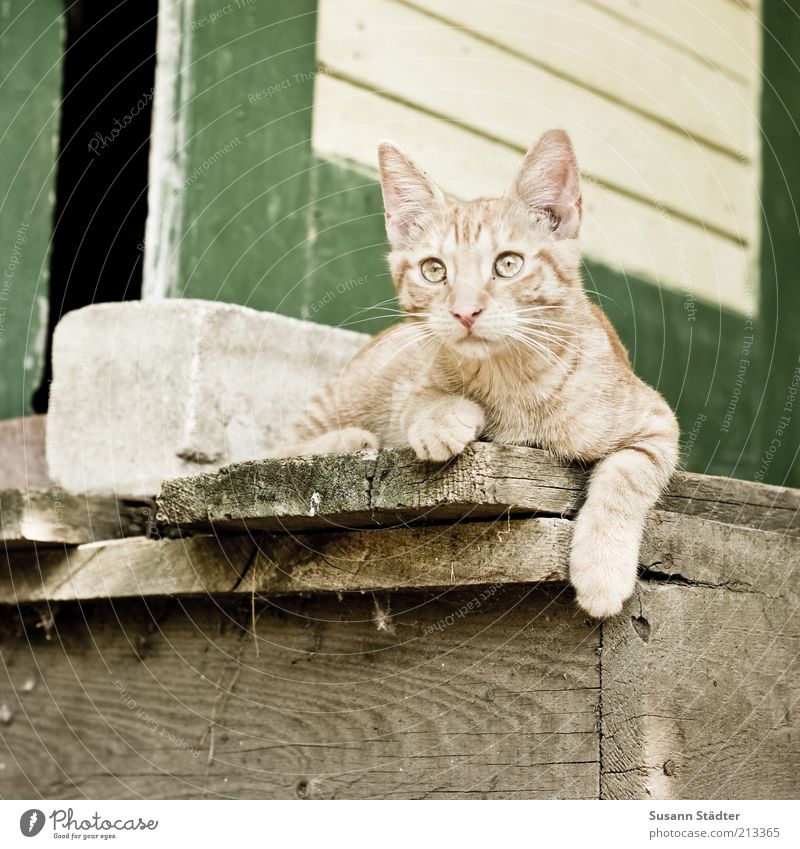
{"points": [[501, 342]]}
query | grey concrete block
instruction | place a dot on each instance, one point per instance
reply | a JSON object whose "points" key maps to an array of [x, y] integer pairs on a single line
{"points": [[147, 390]]}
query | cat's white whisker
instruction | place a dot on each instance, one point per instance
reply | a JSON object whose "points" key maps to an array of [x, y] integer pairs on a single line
{"points": [[551, 342], [535, 345], [539, 308], [379, 318], [558, 338], [556, 326]]}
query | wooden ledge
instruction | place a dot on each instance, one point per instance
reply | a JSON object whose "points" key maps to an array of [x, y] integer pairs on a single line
{"points": [[689, 551], [42, 517], [708, 532], [391, 488]]}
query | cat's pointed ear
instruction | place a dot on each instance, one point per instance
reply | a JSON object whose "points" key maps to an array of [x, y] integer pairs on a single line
{"points": [[409, 196], [549, 183]]}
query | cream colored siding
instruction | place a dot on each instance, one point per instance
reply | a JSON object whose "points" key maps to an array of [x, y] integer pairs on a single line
{"points": [[665, 133], [723, 32]]}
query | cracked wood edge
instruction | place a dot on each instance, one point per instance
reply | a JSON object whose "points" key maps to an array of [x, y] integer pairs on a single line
{"points": [[389, 488], [698, 692], [681, 550], [55, 517], [126, 568]]}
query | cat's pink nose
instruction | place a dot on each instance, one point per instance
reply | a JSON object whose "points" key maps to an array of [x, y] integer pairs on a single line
{"points": [[467, 313]]}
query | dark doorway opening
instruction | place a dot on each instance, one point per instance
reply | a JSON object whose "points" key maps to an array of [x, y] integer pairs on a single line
{"points": [[101, 185]]}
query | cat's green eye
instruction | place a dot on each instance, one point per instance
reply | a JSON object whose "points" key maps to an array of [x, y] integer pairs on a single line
{"points": [[433, 270], [508, 264]]}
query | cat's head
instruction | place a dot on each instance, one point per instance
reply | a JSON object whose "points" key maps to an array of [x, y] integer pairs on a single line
{"points": [[487, 273]]}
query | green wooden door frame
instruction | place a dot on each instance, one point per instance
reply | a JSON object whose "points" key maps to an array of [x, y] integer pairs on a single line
{"points": [[230, 179]]}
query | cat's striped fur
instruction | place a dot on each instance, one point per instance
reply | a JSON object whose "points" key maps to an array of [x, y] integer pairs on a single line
{"points": [[526, 360]]}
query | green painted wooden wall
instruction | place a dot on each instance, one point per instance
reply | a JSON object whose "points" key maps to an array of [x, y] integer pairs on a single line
{"points": [[774, 392], [31, 49]]}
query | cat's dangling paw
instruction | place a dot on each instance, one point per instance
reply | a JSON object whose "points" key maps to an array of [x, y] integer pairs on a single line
{"points": [[602, 582], [444, 431]]}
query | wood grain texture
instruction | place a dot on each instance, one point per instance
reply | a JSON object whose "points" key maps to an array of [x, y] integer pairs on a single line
{"points": [[406, 661], [127, 700], [393, 487], [679, 549], [487, 553], [54, 517], [700, 696], [135, 567], [701, 551], [484, 553]]}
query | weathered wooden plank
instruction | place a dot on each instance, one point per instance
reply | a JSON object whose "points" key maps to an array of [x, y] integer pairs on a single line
{"points": [[133, 567], [526, 551], [699, 696], [325, 700], [55, 517], [682, 549], [322, 493], [392, 487], [701, 551], [488, 553]]}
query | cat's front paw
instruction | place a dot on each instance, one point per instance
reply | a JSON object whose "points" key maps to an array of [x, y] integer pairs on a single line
{"points": [[348, 440], [444, 431], [603, 579]]}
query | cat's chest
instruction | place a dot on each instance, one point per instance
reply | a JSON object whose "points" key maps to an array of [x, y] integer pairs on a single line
{"points": [[513, 416], [544, 407], [526, 415]]}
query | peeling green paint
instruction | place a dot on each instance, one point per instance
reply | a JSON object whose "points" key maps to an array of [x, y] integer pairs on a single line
{"points": [[31, 48], [241, 102]]}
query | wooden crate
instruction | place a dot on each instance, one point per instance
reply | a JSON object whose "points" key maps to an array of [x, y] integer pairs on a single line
{"points": [[271, 653]]}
